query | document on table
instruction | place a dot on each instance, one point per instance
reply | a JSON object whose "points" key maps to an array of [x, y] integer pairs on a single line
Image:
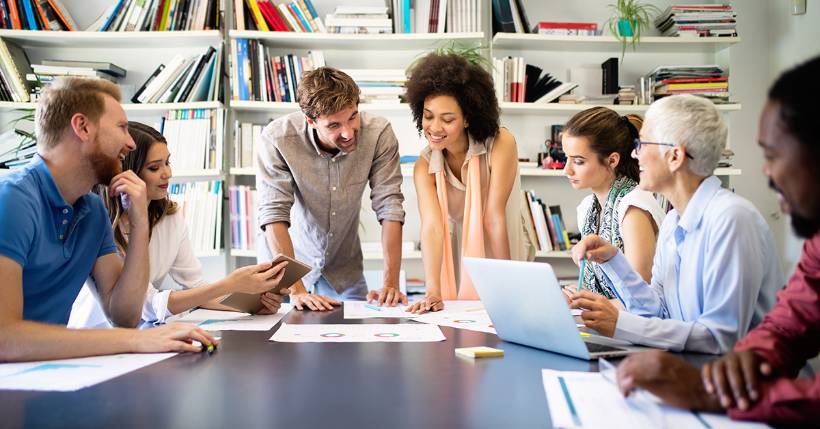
{"points": [[358, 333], [469, 315], [215, 320], [67, 375], [588, 400], [365, 310]]}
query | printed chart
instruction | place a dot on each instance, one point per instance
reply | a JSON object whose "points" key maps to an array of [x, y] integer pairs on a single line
{"points": [[365, 310], [469, 315], [368, 333], [214, 320], [67, 375]]}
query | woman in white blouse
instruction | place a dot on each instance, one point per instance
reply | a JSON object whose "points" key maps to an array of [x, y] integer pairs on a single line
{"points": [[169, 249], [598, 143]]}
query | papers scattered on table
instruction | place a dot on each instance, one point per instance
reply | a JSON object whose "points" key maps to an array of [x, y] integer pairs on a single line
{"points": [[68, 375], [367, 333], [588, 400], [469, 315], [215, 320], [364, 310]]}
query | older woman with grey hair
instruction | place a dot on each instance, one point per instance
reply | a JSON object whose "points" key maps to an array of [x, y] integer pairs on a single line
{"points": [[715, 272]]}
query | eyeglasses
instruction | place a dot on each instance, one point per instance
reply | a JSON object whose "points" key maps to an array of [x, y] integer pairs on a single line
{"points": [[637, 146]]}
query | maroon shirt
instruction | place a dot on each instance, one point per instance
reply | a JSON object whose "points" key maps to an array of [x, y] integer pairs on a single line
{"points": [[787, 338]]}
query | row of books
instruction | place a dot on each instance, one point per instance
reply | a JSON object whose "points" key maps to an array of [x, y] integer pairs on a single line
{"points": [[259, 75], [379, 86], [264, 15], [35, 15], [545, 225], [509, 16], [201, 205], [195, 138], [518, 82], [184, 79], [360, 20], [160, 15], [698, 20], [706, 81], [242, 217], [439, 16], [245, 140]]}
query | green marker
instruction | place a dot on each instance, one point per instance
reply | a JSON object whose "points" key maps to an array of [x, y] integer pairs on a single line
{"points": [[581, 275]]}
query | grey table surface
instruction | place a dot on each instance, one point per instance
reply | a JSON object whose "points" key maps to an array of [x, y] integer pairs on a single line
{"points": [[251, 382]]}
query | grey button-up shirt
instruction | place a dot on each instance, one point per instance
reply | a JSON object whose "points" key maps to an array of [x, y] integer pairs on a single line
{"points": [[325, 192]]}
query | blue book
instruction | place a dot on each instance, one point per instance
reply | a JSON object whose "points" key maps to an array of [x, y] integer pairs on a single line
{"points": [[294, 6], [32, 20], [112, 16], [406, 15], [559, 232], [241, 59], [311, 9]]}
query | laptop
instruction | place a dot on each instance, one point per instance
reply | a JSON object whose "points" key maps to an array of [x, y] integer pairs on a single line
{"points": [[526, 305]]}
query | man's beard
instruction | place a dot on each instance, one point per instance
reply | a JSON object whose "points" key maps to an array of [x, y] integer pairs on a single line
{"points": [[104, 167], [802, 226]]}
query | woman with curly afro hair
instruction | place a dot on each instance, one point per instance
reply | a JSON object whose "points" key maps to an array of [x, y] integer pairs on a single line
{"points": [[467, 182]]}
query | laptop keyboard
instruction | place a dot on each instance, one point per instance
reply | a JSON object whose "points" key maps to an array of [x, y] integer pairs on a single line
{"points": [[600, 348]]}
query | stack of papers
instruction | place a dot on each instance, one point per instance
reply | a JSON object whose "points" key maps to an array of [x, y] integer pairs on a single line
{"points": [[214, 320]]}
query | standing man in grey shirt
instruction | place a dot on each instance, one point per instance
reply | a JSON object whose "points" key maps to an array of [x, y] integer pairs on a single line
{"points": [[312, 169]]}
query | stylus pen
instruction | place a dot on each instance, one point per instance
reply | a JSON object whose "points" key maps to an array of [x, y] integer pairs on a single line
{"points": [[581, 275]]}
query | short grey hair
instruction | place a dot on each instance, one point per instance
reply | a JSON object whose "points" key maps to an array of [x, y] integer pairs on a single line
{"points": [[693, 123]]}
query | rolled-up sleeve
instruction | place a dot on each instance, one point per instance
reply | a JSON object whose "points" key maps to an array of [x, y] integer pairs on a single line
{"points": [[274, 182], [386, 179], [635, 294]]}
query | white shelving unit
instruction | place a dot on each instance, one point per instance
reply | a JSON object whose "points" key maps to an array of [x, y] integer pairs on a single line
{"points": [[610, 43], [96, 39], [358, 42]]}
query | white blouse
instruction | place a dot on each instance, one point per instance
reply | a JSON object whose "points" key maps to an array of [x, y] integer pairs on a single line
{"points": [[637, 198], [169, 252]]}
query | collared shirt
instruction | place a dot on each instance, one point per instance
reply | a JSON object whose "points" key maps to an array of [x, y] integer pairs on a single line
{"points": [[787, 338], [714, 276], [325, 192], [55, 243]]}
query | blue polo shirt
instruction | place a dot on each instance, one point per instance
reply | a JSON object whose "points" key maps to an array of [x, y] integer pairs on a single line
{"points": [[54, 242]]}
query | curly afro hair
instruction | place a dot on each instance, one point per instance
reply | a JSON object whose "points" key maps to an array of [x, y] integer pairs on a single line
{"points": [[469, 84]]}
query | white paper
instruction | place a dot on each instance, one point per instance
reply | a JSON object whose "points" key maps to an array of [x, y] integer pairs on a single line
{"points": [[364, 333], [469, 315], [68, 375], [364, 310], [599, 404], [215, 320]]}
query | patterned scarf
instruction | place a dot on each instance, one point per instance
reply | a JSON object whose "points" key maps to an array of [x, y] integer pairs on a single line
{"points": [[609, 229]]}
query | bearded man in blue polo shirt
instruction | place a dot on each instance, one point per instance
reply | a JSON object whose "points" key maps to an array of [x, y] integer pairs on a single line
{"points": [[55, 233]]}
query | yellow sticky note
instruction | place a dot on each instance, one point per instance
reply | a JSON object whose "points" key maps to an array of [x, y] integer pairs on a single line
{"points": [[584, 334], [479, 352]]}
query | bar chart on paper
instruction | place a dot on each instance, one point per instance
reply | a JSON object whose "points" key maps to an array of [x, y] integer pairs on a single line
{"points": [[368, 333]]}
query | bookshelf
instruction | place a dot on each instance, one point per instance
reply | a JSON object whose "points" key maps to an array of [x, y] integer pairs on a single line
{"points": [[527, 121]]}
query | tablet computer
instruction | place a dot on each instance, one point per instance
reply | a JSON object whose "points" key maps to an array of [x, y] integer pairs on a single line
{"points": [[251, 302]]}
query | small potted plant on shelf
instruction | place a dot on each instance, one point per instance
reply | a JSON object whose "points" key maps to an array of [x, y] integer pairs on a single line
{"points": [[629, 19]]}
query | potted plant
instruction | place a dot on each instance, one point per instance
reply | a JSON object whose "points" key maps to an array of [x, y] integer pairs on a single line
{"points": [[629, 19]]}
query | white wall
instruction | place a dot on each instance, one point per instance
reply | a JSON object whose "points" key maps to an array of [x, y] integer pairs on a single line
{"points": [[793, 39]]}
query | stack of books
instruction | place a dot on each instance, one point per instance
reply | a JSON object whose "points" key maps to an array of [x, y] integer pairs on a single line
{"points": [[627, 95], [17, 145], [160, 15], [14, 67], [727, 158], [698, 20], [48, 70], [185, 79], [201, 205], [242, 217], [259, 75], [706, 81], [35, 15], [194, 138], [246, 140], [566, 28], [264, 15], [359, 20], [545, 225], [379, 86]]}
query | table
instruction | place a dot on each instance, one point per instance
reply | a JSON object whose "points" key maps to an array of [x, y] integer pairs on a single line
{"points": [[251, 382]]}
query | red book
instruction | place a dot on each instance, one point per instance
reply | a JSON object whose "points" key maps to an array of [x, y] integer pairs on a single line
{"points": [[265, 8], [569, 25], [158, 18]]}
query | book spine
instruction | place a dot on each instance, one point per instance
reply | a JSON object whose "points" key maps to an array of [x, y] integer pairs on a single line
{"points": [[257, 16]]}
